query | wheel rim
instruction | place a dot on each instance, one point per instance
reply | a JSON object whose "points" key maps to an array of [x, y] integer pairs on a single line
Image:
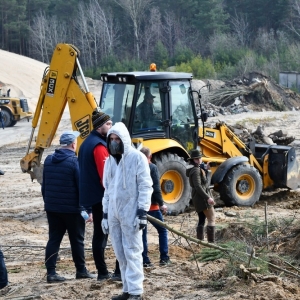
{"points": [[172, 186], [245, 186]]}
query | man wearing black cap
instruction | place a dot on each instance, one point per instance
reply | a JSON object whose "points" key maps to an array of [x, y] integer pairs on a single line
{"points": [[91, 157], [60, 190]]}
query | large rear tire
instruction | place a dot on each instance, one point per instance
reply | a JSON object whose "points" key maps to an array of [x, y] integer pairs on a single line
{"points": [[176, 190], [242, 186], [6, 118]]}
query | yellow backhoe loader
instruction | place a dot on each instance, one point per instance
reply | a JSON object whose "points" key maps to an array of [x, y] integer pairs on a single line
{"points": [[170, 129]]}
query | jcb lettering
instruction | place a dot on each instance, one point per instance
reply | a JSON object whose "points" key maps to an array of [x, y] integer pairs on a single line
{"points": [[83, 126], [210, 134]]}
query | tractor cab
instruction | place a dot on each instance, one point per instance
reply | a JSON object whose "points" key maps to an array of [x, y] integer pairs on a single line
{"points": [[152, 105]]}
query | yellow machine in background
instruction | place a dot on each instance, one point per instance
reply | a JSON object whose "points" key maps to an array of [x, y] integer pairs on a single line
{"points": [[13, 109], [170, 128]]}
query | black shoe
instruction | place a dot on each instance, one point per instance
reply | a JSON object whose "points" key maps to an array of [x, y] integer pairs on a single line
{"points": [[148, 265], [166, 262], [123, 296], [135, 297], [55, 278], [85, 274], [102, 277], [116, 277]]}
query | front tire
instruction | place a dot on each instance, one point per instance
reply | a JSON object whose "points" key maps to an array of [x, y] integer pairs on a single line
{"points": [[13, 123], [176, 190], [6, 118], [242, 186]]}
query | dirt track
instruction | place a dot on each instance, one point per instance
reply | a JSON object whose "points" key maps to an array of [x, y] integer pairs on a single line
{"points": [[23, 224]]}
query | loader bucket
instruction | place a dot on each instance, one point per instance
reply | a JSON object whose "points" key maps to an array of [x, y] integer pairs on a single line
{"points": [[283, 166], [293, 170]]}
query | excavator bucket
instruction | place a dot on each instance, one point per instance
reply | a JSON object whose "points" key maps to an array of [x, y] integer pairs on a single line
{"points": [[293, 170], [283, 166]]}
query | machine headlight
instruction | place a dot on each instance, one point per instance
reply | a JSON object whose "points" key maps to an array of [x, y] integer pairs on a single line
{"points": [[4, 101]]}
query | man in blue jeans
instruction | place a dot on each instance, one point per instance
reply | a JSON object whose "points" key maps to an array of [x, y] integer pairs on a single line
{"points": [[3, 272], [157, 209]]}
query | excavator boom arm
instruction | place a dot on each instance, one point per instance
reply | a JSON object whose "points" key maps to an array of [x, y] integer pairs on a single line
{"points": [[59, 86]]}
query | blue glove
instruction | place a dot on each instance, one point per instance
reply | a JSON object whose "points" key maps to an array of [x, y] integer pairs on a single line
{"points": [[140, 221], [104, 224]]}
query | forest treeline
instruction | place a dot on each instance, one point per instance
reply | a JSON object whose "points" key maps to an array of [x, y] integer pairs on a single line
{"points": [[210, 38]]}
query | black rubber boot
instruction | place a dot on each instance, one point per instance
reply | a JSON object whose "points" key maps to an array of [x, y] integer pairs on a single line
{"points": [[200, 233], [210, 230], [123, 296]]}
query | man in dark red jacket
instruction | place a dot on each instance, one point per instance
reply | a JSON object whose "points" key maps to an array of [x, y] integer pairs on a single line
{"points": [[60, 190], [91, 157]]}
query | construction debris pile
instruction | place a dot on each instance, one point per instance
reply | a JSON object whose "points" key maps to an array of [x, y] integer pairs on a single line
{"points": [[256, 92], [279, 137]]}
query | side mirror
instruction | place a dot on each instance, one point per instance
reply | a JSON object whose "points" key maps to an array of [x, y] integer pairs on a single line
{"points": [[204, 116]]}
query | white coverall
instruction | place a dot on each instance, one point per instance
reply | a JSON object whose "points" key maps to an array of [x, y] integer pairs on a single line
{"points": [[128, 187]]}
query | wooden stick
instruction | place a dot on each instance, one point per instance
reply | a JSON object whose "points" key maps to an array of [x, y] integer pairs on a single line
{"points": [[266, 222], [226, 250]]}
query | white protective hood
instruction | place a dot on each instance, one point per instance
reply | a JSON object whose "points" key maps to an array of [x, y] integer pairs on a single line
{"points": [[130, 180]]}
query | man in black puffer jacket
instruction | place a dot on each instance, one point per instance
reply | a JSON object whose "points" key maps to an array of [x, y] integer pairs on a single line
{"points": [[61, 197]]}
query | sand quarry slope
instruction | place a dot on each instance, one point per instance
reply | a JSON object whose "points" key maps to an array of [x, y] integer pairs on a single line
{"points": [[22, 75], [24, 228]]}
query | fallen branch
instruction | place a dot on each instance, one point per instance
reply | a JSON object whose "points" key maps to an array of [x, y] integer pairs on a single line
{"points": [[247, 272], [226, 250]]}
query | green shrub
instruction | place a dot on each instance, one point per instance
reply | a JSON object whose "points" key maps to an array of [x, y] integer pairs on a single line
{"points": [[201, 68]]}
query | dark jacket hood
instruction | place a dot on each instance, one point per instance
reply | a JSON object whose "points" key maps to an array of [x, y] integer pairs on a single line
{"points": [[61, 154]]}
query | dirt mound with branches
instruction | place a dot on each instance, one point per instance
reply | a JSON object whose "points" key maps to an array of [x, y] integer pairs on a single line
{"points": [[257, 91]]}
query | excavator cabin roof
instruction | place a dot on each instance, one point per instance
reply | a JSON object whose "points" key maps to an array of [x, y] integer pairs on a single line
{"points": [[132, 77]]}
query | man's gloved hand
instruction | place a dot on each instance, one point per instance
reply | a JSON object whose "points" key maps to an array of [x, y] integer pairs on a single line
{"points": [[104, 224], [141, 219]]}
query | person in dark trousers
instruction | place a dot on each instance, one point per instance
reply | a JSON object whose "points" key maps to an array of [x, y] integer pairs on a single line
{"points": [[2, 118], [60, 190], [201, 196], [157, 209], [91, 157], [3, 272]]}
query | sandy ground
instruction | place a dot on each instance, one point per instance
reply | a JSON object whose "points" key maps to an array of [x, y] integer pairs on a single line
{"points": [[23, 226]]}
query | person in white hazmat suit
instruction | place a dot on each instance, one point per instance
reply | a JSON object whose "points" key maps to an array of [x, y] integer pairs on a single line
{"points": [[126, 200]]}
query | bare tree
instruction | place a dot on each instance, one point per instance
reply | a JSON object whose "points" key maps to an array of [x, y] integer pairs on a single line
{"points": [[97, 32], [46, 32], [38, 37], [82, 40], [241, 28], [136, 10], [294, 23], [169, 32], [57, 32], [152, 32]]}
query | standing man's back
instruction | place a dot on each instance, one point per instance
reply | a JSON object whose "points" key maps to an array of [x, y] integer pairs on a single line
{"points": [[60, 190], [92, 155]]}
